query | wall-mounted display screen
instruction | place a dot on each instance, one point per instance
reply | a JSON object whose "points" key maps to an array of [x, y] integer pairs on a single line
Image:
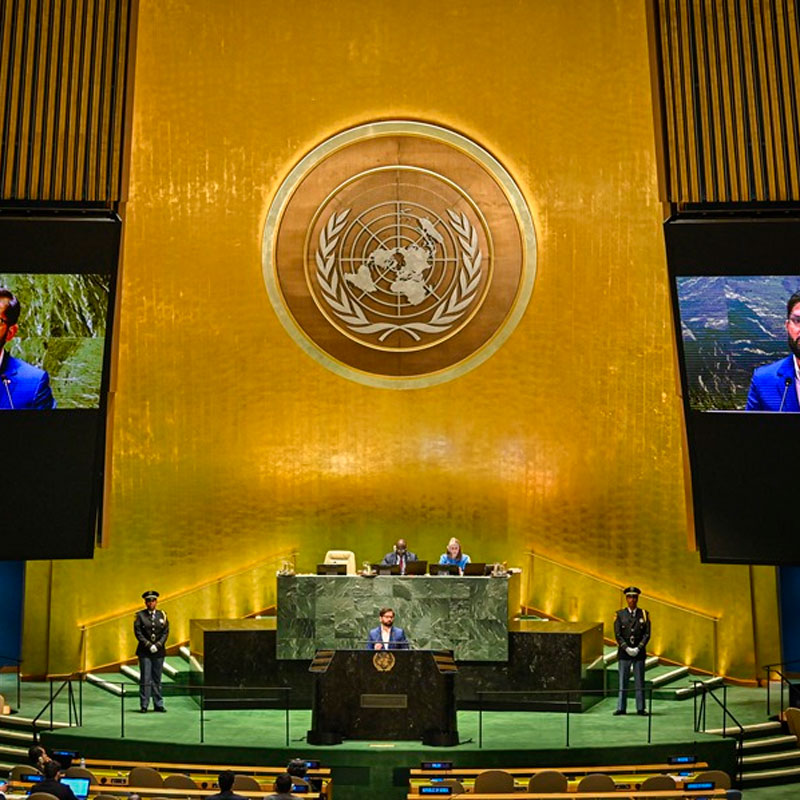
{"points": [[736, 341], [731, 280], [52, 340], [57, 283]]}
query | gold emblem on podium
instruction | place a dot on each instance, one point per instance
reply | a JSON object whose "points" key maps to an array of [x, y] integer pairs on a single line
{"points": [[383, 661], [399, 254]]}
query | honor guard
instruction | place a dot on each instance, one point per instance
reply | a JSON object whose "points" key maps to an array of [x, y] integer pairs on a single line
{"points": [[151, 628], [632, 632]]}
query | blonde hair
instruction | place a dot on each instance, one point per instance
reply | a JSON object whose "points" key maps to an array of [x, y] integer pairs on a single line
{"points": [[455, 541]]}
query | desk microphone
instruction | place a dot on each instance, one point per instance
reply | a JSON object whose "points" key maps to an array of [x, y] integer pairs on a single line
{"points": [[785, 389], [6, 381]]}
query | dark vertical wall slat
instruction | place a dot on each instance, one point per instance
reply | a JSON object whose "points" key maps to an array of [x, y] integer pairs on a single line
{"points": [[730, 77], [63, 64]]}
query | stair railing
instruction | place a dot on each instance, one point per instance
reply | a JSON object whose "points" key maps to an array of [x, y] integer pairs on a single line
{"points": [[75, 709], [18, 663], [784, 679], [700, 717]]}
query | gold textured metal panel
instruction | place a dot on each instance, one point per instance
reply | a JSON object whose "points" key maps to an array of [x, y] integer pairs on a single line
{"points": [[230, 444], [729, 74], [63, 76]]}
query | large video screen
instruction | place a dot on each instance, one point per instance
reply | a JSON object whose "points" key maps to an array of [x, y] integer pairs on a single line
{"points": [[738, 341], [731, 279], [52, 340], [57, 283]]}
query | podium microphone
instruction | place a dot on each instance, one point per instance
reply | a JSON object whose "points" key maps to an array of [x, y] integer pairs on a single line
{"points": [[785, 389], [6, 381]]}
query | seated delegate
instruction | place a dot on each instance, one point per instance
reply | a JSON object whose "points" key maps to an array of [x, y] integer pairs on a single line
{"points": [[454, 555]]}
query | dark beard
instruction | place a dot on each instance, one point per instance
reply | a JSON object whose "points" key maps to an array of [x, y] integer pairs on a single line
{"points": [[794, 345]]}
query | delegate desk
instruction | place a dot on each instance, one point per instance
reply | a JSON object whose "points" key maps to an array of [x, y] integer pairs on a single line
{"points": [[468, 615]]}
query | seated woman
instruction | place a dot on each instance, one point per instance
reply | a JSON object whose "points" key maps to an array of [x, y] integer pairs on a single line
{"points": [[454, 555]]}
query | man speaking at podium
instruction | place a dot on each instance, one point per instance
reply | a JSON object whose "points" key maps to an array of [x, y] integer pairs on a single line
{"points": [[386, 636]]}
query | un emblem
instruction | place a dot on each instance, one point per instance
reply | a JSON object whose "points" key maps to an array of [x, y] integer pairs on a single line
{"points": [[399, 254]]}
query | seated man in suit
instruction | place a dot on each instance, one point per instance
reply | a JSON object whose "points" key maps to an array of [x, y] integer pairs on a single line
{"points": [[386, 636], [775, 386], [399, 556], [23, 385], [51, 783]]}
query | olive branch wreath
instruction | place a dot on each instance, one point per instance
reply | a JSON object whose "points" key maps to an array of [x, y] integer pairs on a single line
{"points": [[445, 314]]}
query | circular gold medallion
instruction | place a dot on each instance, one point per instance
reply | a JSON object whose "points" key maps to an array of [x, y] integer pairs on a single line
{"points": [[399, 254], [383, 661]]}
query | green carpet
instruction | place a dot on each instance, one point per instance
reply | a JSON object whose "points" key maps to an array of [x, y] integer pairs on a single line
{"points": [[512, 739]]}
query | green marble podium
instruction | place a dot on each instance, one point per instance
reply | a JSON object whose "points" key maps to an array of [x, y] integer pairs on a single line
{"points": [[468, 615]]}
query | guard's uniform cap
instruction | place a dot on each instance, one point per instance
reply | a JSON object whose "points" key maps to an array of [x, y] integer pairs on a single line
{"points": [[632, 590], [151, 595]]}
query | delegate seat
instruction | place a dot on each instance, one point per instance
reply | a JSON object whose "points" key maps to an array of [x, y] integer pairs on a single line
{"points": [[19, 770], [81, 772], [494, 781], [596, 782], [720, 779], [246, 783], [178, 781], [145, 777], [548, 781]]}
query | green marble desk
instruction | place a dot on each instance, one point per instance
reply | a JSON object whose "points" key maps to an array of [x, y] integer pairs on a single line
{"points": [[468, 615]]}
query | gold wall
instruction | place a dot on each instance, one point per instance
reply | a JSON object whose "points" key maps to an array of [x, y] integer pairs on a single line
{"points": [[231, 446]]}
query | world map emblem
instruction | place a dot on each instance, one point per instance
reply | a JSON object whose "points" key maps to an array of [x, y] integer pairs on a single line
{"points": [[399, 254]]}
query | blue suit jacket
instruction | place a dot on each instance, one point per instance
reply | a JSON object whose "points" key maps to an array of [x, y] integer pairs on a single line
{"points": [[768, 387], [25, 385], [397, 639]]}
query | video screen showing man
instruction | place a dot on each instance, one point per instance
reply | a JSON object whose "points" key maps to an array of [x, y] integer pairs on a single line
{"points": [[23, 385], [776, 386]]}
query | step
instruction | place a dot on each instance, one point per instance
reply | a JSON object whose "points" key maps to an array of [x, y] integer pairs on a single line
{"points": [[185, 652], [611, 657], [769, 758], [669, 677], [101, 683], [131, 672], [756, 729], [17, 736], [781, 775], [691, 691], [770, 741], [170, 670], [26, 722], [650, 662]]}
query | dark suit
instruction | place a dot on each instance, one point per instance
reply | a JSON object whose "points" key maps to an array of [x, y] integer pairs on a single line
{"points": [[769, 390], [24, 386], [397, 639], [394, 559], [55, 788], [150, 629], [631, 629], [228, 795]]}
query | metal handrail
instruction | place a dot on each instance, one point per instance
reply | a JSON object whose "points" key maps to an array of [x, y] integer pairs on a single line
{"points": [[567, 694], [18, 662], [74, 709], [701, 713], [784, 679], [283, 692]]}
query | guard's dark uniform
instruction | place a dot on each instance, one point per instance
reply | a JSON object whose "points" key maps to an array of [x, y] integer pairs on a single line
{"points": [[631, 630], [151, 628]]}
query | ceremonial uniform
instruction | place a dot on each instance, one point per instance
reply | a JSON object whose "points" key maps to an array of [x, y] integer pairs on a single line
{"points": [[151, 628], [632, 632]]}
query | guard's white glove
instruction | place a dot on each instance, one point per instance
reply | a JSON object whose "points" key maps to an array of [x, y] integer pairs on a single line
{"points": [[632, 651], [153, 648]]}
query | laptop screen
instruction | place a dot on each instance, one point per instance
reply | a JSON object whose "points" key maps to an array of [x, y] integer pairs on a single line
{"points": [[79, 786]]}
